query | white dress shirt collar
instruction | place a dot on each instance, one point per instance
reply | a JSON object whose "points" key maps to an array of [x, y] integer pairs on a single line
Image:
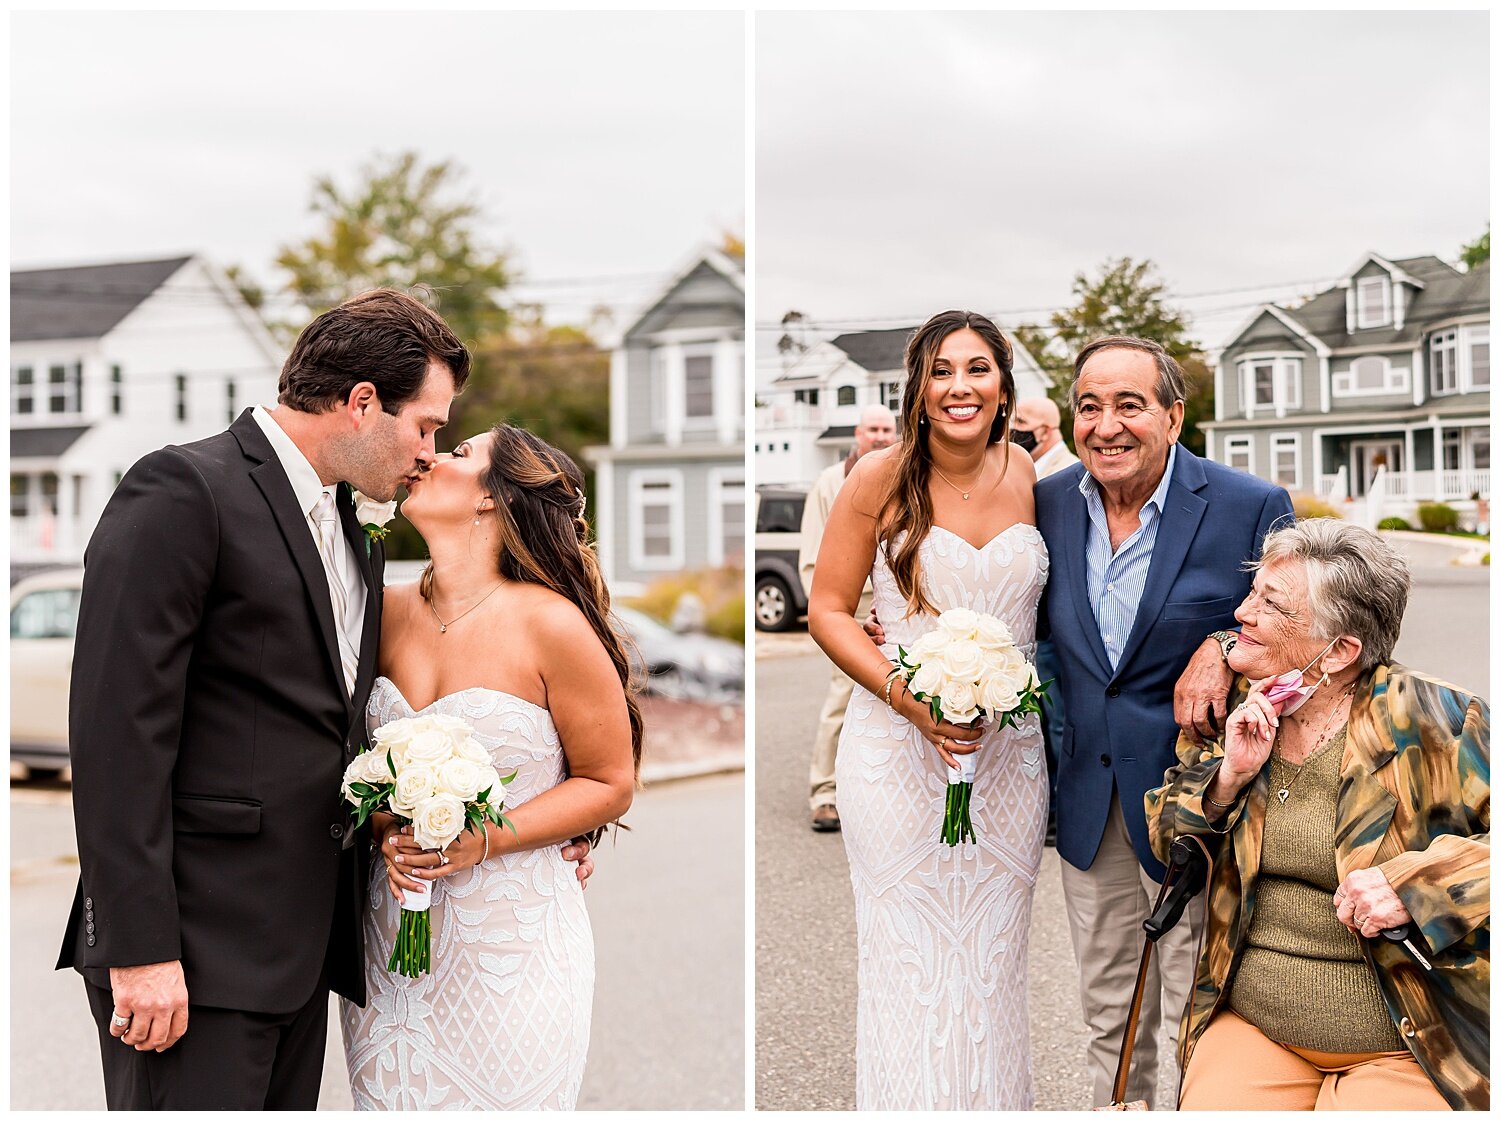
{"points": [[306, 484]]}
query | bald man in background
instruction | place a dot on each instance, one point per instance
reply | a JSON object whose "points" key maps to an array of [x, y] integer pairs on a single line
{"points": [[876, 429], [1036, 427]]}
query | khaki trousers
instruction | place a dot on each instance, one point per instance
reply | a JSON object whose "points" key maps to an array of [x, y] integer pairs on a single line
{"points": [[1235, 1066], [826, 745], [1106, 905], [820, 780]]}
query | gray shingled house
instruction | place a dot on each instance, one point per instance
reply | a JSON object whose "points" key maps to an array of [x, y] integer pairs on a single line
{"points": [[670, 491], [1374, 394]]}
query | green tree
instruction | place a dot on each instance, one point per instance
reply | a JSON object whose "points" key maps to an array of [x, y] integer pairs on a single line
{"points": [[1126, 298], [1477, 252], [403, 225]]}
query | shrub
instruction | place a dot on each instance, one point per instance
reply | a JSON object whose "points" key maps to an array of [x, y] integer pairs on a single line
{"points": [[1393, 523], [722, 591], [1311, 506], [1437, 517]]}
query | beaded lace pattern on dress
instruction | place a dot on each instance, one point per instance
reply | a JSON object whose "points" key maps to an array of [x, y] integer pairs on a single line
{"points": [[502, 1021], [942, 1020]]}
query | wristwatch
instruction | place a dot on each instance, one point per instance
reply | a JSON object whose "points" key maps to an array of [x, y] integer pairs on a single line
{"points": [[1226, 641]]}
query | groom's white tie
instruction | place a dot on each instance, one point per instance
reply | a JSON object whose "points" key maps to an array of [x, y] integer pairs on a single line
{"points": [[326, 515]]}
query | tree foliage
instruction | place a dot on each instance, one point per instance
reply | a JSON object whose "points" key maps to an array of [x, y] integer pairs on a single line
{"points": [[1125, 298], [1477, 252], [402, 225]]}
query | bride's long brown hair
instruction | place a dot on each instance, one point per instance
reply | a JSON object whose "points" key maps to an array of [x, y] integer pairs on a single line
{"points": [[544, 539], [908, 505]]}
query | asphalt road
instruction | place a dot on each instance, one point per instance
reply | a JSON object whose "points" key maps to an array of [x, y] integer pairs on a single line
{"points": [[667, 906], [804, 934]]}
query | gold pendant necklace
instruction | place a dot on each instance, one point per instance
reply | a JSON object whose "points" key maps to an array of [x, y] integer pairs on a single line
{"points": [[982, 468], [1328, 729], [442, 626]]}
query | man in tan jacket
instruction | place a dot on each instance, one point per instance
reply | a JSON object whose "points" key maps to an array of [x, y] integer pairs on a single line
{"points": [[876, 430]]}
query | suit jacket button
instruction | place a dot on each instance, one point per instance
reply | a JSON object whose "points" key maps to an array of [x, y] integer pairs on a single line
{"points": [[1408, 1029], [88, 903], [1104, 758], [89, 927], [336, 832], [90, 939], [1112, 691]]}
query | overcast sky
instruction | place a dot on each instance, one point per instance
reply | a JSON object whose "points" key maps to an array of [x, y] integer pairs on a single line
{"points": [[906, 163], [600, 145]]}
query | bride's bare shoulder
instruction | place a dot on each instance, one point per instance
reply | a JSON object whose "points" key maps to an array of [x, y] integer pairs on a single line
{"points": [[869, 484]]}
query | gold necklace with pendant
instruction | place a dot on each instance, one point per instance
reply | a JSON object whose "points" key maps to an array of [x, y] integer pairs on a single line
{"points": [[442, 626], [983, 467]]}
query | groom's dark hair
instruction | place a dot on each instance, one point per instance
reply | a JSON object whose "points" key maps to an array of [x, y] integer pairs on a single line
{"points": [[382, 336]]}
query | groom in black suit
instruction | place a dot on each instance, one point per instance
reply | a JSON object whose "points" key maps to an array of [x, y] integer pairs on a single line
{"points": [[227, 642]]}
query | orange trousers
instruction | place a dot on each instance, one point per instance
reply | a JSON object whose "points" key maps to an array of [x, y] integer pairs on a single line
{"points": [[1235, 1066]]}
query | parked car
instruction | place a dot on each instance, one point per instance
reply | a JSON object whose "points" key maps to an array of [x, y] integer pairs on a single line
{"points": [[685, 666], [43, 621], [780, 599]]}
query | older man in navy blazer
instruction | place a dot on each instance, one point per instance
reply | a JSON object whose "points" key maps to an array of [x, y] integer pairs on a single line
{"points": [[1147, 545]]}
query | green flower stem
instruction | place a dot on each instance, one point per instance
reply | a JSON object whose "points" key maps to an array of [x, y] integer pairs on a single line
{"points": [[957, 828], [412, 954]]}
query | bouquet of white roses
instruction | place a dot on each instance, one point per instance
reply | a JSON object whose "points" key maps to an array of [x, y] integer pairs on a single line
{"points": [[966, 668], [432, 774]]}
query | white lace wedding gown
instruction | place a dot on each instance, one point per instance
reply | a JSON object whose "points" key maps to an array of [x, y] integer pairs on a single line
{"points": [[942, 1021], [502, 1021]]}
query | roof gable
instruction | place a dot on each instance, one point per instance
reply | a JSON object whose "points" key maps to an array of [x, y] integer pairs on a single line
{"points": [[86, 302], [695, 295]]}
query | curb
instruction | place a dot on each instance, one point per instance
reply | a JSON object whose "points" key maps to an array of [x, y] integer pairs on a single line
{"points": [[722, 763], [1467, 551]]}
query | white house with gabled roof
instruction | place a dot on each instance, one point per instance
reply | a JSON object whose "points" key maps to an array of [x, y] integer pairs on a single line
{"points": [[107, 363]]}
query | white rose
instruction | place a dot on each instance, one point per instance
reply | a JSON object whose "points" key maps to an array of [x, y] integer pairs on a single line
{"points": [[368, 766], [428, 749], [413, 784], [461, 778], [438, 821], [993, 634], [489, 779], [394, 737], [928, 679], [454, 726], [471, 749], [966, 716], [998, 695], [963, 661], [959, 696], [959, 622], [929, 645], [369, 512]]}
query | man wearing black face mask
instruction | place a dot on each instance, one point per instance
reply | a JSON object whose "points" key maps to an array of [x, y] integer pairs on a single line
{"points": [[1036, 428]]}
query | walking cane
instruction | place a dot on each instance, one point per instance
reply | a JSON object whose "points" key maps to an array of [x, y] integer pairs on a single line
{"points": [[1190, 869]]}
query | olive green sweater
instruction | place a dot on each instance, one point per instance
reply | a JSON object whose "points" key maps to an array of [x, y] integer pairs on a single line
{"points": [[1303, 979]]}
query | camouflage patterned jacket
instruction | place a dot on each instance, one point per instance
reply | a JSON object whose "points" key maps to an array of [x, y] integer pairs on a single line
{"points": [[1415, 800]]}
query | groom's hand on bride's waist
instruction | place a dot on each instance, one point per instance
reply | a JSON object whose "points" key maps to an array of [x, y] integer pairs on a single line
{"points": [[578, 850], [875, 630], [154, 999]]}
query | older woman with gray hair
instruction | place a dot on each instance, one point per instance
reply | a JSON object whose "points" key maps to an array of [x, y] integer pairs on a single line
{"points": [[1346, 808]]}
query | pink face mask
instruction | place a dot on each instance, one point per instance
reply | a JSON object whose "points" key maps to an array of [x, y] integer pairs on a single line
{"points": [[1287, 693]]}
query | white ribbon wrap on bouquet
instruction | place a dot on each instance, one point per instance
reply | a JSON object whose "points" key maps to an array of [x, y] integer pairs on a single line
{"points": [[417, 900], [968, 767]]}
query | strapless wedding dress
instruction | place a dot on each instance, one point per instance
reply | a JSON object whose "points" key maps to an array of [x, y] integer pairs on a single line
{"points": [[502, 1021], [942, 1020]]}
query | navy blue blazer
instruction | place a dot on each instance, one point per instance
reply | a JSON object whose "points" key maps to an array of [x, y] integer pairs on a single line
{"points": [[1120, 732]]}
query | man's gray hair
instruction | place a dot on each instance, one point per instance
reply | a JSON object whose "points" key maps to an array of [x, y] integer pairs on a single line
{"points": [[1171, 382], [1357, 583]]}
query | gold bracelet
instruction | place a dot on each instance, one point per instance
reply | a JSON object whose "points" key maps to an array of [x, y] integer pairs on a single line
{"points": [[890, 680], [486, 855]]}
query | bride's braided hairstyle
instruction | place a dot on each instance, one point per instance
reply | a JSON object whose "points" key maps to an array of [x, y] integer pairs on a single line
{"points": [[544, 539], [908, 506]]}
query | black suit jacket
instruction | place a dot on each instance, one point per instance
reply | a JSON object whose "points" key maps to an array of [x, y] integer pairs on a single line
{"points": [[209, 727]]}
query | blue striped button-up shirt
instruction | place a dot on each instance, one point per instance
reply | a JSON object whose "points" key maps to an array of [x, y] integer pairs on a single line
{"points": [[1117, 578]]}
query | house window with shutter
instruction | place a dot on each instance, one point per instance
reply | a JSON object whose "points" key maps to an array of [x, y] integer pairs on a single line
{"points": [[1372, 302], [23, 391], [116, 391], [656, 520], [180, 396], [1444, 350], [698, 386]]}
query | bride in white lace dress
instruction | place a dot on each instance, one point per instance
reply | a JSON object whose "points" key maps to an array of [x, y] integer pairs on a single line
{"points": [[944, 520], [509, 630]]}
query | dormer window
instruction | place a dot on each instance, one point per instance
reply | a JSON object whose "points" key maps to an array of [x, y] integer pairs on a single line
{"points": [[1372, 302]]}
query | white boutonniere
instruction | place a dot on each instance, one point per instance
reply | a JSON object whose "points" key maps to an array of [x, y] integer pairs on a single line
{"points": [[373, 517]]}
